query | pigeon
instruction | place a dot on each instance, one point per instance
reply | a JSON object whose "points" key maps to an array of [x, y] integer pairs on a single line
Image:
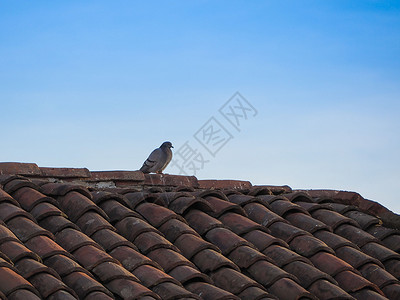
{"points": [[158, 159]]}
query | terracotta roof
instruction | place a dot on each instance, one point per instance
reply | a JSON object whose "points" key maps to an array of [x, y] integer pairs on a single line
{"points": [[68, 233]]}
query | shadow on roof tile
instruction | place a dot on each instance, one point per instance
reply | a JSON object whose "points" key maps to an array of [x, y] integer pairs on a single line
{"points": [[44, 210], [151, 276], [283, 256], [135, 198], [150, 240], [47, 285], [286, 232], [185, 274], [109, 240], [168, 290], [75, 205], [6, 234], [169, 259], [210, 192], [377, 275], [201, 221], [262, 240], [18, 183], [29, 267], [63, 295], [45, 247], [351, 282], [327, 290], [355, 257], [309, 245], [131, 259], [242, 200], [355, 234], [267, 273], [10, 282], [330, 264], [392, 291], [5, 261], [333, 240], [393, 267], [16, 251], [22, 294], [83, 284], [381, 232], [90, 256], [298, 196], [182, 204], [132, 227], [363, 219], [61, 189], [91, 222], [116, 211], [209, 260], [157, 215], [108, 271], [245, 256], [55, 224], [9, 211], [285, 207], [233, 281], [96, 295], [64, 265], [190, 245], [332, 218], [380, 252], [72, 239], [262, 215], [255, 293], [311, 206], [271, 198], [100, 197], [240, 224], [367, 294], [257, 190], [220, 207], [286, 288], [392, 242], [307, 274], [211, 292], [6, 198], [29, 197], [25, 229], [306, 222], [226, 240], [172, 229]]}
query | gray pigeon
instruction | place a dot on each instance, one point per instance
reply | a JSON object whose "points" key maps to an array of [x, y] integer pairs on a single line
{"points": [[158, 159]]}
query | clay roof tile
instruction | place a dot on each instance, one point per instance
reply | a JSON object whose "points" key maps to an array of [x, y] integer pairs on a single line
{"points": [[163, 236]]}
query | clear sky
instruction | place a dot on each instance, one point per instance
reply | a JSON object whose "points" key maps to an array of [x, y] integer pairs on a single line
{"points": [[99, 84]]}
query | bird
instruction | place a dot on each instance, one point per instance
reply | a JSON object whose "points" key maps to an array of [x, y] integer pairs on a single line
{"points": [[158, 159]]}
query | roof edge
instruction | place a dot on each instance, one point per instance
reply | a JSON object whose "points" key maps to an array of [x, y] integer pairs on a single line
{"points": [[389, 218], [116, 178], [136, 178]]}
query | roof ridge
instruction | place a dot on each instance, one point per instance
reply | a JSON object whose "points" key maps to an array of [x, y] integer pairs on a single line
{"points": [[137, 179]]}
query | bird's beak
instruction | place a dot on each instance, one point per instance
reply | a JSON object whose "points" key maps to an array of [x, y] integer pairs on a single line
{"points": [[172, 146]]}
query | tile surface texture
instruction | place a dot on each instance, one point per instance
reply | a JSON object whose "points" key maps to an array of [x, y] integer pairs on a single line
{"points": [[68, 233]]}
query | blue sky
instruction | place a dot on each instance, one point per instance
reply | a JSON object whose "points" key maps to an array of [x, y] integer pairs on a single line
{"points": [[99, 84]]}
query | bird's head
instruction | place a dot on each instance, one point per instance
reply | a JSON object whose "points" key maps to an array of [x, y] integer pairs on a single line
{"points": [[167, 145]]}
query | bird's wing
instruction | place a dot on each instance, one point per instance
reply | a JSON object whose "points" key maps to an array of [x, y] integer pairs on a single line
{"points": [[153, 159]]}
